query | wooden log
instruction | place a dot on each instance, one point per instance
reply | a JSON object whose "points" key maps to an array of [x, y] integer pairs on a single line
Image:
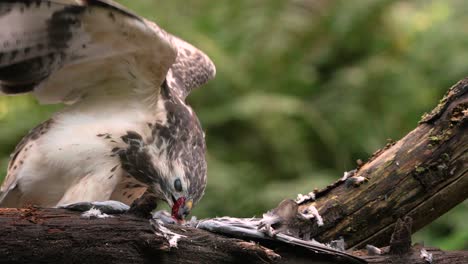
{"points": [[61, 236], [423, 175], [35, 235]]}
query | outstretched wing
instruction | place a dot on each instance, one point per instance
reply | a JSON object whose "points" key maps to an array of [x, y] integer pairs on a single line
{"points": [[192, 69], [62, 49]]}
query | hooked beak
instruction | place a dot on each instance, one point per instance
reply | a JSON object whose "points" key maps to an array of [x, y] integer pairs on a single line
{"points": [[181, 209]]}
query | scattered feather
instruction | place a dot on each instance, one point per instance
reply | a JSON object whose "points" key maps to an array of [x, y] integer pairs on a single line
{"points": [[312, 212], [355, 181], [348, 174], [426, 256], [373, 250], [302, 198], [94, 213], [161, 230]]}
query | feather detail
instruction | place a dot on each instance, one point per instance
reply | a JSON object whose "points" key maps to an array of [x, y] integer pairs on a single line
{"points": [[55, 45], [192, 69]]}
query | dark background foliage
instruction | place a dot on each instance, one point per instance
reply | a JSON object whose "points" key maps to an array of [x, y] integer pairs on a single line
{"points": [[304, 89]]}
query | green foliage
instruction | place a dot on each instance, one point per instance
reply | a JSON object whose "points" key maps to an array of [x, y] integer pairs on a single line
{"points": [[304, 88]]}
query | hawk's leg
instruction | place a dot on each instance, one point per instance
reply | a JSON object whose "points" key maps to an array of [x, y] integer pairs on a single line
{"points": [[143, 206], [106, 207], [94, 191]]}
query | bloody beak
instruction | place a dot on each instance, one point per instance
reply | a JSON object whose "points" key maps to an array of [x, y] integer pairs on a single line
{"points": [[181, 209]]}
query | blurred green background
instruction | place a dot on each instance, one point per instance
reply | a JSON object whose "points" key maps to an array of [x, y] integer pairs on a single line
{"points": [[304, 89]]}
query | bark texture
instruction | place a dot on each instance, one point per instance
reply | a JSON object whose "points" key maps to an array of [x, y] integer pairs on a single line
{"points": [[35, 235], [414, 257], [422, 176]]}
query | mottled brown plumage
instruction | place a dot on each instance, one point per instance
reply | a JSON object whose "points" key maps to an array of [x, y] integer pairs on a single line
{"points": [[126, 129]]}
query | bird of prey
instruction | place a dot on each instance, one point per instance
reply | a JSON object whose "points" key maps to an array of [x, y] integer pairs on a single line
{"points": [[126, 127]]}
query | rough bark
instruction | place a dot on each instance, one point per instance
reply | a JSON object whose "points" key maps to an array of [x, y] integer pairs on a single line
{"points": [[401, 252], [414, 257], [35, 235], [423, 175]]}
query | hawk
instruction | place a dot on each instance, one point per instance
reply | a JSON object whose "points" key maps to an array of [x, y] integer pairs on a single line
{"points": [[126, 127]]}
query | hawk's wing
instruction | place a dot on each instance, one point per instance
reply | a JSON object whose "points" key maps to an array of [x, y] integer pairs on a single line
{"points": [[65, 50], [60, 49], [192, 69]]}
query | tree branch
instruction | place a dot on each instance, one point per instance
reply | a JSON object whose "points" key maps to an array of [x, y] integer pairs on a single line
{"points": [[423, 175]]}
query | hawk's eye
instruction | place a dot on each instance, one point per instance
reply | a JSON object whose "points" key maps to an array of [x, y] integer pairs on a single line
{"points": [[178, 185]]}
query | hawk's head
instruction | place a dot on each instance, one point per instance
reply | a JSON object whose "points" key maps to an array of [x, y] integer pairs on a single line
{"points": [[173, 163], [182, 185]]}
